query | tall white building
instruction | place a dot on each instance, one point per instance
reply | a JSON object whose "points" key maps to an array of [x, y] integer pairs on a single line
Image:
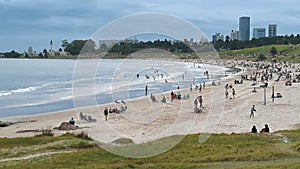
{"points": [[272, 30], [259, 33], [218, 36], [234, 35]]}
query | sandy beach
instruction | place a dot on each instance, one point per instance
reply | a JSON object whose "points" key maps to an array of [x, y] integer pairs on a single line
{"points": [[145, 120]]}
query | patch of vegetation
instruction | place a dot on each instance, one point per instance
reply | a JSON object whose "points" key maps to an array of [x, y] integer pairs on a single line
{"points": [[263, 151], [123, 141]]}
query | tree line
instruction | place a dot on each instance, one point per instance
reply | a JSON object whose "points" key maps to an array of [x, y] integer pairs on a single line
{"points": [[235, 44], [124, 47]]}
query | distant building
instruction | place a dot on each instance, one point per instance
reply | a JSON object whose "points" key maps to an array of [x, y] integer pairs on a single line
{"points": [[244, 28], [259, 33], [216, 37], [272, 30], [234, 35]]}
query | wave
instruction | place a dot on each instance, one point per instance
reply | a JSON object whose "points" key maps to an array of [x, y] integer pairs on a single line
{"points": [[21, 90], [38, 103]]}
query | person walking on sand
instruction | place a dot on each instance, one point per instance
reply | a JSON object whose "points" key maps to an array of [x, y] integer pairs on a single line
{"points": [[200, 101], [252, 111], [105, 113], [233, 93]]}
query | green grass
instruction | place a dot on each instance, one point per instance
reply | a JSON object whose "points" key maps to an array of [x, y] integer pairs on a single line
{"points": [[285, 53], [261, 151]]}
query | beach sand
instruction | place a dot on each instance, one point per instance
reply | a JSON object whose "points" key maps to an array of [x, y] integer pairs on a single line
{"points": [[145, 120]]}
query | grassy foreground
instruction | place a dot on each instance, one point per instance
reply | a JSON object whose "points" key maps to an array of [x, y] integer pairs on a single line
{"points": [[247, 151]]}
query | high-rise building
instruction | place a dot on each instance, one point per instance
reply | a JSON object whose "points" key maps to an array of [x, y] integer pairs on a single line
{"points": [[272, 30], [244, 28], [218, 36], [234, 35], [259, 33]]}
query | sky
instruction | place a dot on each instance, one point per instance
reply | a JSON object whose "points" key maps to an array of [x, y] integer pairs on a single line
{"points": [[34, 23]]}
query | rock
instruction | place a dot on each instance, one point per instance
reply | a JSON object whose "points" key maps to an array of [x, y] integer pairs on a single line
{"points": [[66, 126]]}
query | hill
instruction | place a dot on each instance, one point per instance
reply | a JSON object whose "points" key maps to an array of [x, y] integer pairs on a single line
{"points": [[285, 52]]}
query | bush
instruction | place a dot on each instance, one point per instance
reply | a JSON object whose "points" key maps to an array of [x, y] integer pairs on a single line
{"points": [[47, 132], [261, 57]]}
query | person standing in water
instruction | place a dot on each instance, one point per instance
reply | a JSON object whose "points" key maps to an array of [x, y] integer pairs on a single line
{"points": [[146, 90]]}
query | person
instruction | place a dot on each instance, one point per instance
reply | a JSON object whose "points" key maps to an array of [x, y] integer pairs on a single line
{"points": [[254, 90], [266, 129], [196, 102], [146, 90], [200, 88], [82, 117], [254, 129], [72, 121], [226, 94], [200, 101], [152, 97], [191, 87], [164, 100], [252, 111], [173, 96], [233, 93], [105, 113]]}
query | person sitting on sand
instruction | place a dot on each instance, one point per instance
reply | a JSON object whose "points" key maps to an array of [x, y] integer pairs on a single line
{"points": [[254, 129], [266, 129], [72, 121], [173, 96], [152, 97], [82, 117], [164, 100]]}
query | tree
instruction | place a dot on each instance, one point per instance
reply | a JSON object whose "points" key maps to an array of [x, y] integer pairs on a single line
{"points": [[12, 54], [26, 55], [75, 47], [45, 52], [30, 50], [41, 55], [103, 48], [273, 52], [64, 44], [261, 57]]}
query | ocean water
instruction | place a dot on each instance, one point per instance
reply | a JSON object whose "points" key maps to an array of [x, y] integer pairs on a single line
{"points": [[38, 86]]}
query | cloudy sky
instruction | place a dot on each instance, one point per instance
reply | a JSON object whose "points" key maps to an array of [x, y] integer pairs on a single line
{"points": [[34, 23]]}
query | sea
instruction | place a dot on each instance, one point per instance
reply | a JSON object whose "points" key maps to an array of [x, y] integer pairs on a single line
{"points": [[36, 86]]}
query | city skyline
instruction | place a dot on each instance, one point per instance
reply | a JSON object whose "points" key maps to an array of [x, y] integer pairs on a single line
{"points": [[30, 23]]}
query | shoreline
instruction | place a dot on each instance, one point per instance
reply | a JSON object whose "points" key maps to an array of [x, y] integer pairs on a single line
{"points": [[219, 116], [215, 77]]}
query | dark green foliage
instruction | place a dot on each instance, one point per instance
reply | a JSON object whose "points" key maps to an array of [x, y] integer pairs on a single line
{"points": [[261, 57], [12, 54], [273, 51], [278, 40]]}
